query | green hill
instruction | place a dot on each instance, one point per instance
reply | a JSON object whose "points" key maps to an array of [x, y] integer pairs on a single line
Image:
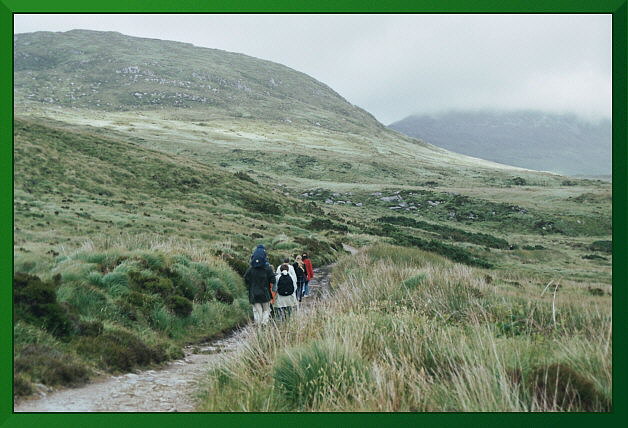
{"points": [[222, 107], [71, 185], [112, 72]]}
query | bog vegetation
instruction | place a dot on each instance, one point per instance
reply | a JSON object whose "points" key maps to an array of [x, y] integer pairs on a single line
{"points": [[406, 330]]}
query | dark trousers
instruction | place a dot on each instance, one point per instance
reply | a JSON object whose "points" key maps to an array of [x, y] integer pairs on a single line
{"points": [[300, 286]]}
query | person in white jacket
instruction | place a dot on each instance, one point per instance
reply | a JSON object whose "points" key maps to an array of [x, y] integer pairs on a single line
{"points": [[284, 304], [291, 272]]}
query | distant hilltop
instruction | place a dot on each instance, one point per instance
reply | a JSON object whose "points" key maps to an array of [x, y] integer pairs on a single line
{"points": [[115, 72], [560, 143]]}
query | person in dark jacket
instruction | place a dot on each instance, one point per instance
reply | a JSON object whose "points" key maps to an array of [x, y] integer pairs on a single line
{"points": [[259, 278], [299, 270], [259, 256]]}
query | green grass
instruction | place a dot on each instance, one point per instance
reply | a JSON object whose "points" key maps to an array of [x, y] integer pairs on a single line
{"points": [[408, 331]]}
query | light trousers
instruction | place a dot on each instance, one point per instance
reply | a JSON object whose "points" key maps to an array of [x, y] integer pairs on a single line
{"points": [[261, 312]]}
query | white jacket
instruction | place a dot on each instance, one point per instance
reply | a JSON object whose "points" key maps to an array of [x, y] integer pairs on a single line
{"points": [[284, 301], [291, 272]]}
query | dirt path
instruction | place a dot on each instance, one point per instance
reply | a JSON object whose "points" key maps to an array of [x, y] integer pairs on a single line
{"points": [[168, 389], [319, 285], [350, 249]]}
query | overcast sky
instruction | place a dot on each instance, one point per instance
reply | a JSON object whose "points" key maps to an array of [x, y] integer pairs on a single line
{"points": [[397, 65]]}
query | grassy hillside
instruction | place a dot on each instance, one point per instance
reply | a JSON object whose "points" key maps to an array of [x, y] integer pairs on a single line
{"points": [[227, 108], [70, 186], [429, 336]]}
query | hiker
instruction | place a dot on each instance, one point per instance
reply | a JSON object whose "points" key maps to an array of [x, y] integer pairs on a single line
{"points": [[257, 278], [286, 261], [309, 274], [286, 288], [299, 270], [259, 252], [273, 295]]}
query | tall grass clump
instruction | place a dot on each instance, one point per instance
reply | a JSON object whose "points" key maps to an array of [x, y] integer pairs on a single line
{"points": [[311, 375], [407, 330]]}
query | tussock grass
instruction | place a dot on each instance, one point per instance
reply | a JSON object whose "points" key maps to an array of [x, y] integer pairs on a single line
{"points": [[406, 330]]}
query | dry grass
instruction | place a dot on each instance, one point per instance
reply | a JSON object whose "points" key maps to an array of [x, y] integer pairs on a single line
{"points": [[409, 331]]}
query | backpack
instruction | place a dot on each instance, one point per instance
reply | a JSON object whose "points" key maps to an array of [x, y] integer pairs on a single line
{"points": [[258, 258], [285, 286]]}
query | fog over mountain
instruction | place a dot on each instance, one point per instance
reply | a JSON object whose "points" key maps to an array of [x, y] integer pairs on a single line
{"points": [[561, 143]]}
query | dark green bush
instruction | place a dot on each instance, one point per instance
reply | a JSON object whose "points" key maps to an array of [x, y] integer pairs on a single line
{"points": [[254, 203], [89, 328], [518, 181], [182, 286], [136, 298], [224, 297], [448, 232], [325, 224], [181, 306], [602, 246], [452, 252], [21, 386], [35, 302], [119, 350], [533, 247], [50, 366], [593, 257], [237, 264], [127, 311], [217, 289], [151, 283], [245, 177]]}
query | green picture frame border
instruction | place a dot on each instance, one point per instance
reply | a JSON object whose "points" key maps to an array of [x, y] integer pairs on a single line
{"points": [[619, 10]]}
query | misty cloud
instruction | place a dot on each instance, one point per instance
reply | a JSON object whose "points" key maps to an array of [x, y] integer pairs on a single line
{"points": [[396, 65]]}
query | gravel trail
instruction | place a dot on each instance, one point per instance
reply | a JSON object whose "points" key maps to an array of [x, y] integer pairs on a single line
{"points": [[167, 389]]}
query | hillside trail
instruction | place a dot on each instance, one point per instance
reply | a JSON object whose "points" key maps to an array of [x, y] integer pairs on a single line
{"points": [[167, 389]]}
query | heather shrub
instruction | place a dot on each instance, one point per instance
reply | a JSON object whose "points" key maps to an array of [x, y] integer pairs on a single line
{"points": [[35, 302], [181, 306]]}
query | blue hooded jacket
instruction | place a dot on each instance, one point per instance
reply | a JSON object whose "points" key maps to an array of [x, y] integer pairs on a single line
{"points": [[259, 257]]}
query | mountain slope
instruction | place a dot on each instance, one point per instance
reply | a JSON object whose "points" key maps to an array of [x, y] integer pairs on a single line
{"points": [[111, 71], [563, 144], [227, 109]]}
